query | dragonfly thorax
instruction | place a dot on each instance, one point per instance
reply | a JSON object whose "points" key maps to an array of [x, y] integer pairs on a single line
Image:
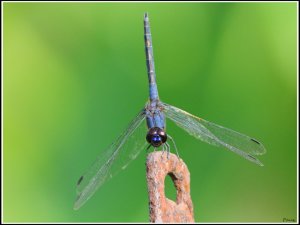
{"points": [[156, 136]]}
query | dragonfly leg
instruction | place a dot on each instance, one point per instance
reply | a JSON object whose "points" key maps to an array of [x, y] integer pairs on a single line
{"points": [[174, 145], [168, 149], [148, 147], [163, 149]]}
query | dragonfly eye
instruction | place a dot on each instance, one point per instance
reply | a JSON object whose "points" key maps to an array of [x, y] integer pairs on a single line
{"points": [[156, 140], [156, 136]]}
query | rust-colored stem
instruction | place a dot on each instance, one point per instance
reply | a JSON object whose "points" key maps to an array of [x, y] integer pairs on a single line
{"points": [[162, 209]]}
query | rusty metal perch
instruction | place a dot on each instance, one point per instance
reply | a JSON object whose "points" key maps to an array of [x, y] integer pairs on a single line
{"points": [[162, 209]]}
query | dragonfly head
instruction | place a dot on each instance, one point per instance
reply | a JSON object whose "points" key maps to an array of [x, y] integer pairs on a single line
{"points": [[156, 136]]}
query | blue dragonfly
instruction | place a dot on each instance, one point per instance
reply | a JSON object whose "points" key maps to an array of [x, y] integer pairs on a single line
{"points": [[132, 141]]}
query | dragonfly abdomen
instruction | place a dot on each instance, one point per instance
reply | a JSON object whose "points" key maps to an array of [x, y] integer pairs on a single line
{"points": [[153, 92]]}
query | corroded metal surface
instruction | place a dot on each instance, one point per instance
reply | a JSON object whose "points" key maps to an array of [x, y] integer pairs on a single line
{"points": [[162, 209]]}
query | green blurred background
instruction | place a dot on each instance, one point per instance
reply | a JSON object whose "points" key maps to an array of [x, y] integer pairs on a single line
{"points": [[75, 75]]}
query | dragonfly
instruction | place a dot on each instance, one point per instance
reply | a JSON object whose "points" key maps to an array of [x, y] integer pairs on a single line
{"points": [[132, 141]]}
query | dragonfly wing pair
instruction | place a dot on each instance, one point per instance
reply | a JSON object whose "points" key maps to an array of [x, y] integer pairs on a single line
{"points": [[215, 134], [132, 141], [114, 159]]}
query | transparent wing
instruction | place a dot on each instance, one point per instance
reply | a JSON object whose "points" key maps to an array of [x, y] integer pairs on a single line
{"points": [[216, 135], [114, 159]]}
